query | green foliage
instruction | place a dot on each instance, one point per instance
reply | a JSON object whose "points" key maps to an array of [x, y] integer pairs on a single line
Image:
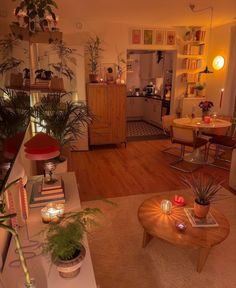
{"points": [[61, 120], [205, 188], [36, 10], [7, 44], [200, 86], [9, 63], [65, 54], [63, 239], [93, 49], [14, 113]]}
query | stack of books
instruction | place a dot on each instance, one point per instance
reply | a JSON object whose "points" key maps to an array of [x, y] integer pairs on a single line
{"points": [[42, 192]]}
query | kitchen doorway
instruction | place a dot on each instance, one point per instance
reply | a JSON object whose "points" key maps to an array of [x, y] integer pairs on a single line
{"points": [[149, 87]]}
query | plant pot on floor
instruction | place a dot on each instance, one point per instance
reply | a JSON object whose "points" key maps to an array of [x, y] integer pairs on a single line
{"points": [[201, 210], [71, 268]]}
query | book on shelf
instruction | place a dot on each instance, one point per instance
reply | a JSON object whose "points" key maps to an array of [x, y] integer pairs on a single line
{"points": [[38, 199], [208, 221]]}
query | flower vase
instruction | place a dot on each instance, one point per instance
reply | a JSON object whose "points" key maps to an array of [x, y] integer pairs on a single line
{"points": [[204, 113]]}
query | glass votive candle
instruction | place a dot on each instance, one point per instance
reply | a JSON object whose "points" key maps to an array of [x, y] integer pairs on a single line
{"points": [[166, 206], [45, 215], [60, 209], [180, 226]]}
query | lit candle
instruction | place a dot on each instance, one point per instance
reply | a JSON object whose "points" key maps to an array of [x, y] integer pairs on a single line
{"points": [[166, 206], [52, 212], [221, 96], [45, 215]]}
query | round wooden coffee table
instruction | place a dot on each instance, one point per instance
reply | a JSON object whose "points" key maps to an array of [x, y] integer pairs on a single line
{"points": [[158, 224]]}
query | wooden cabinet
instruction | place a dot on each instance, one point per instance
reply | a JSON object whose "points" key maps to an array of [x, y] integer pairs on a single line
{"points": [[135, 107], [108, 104]]}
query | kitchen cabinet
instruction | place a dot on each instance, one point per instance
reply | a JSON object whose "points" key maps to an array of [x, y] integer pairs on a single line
{"points": [[135, 108], [152, 111], [108, 104]]}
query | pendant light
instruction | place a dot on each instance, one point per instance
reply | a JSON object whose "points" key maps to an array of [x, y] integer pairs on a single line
{"points": [[192, 7]]}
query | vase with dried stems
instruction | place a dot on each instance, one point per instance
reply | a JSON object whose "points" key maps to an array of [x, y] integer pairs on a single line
{"points": [[206, 190]]}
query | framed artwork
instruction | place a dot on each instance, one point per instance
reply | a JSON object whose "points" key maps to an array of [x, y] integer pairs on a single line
{"points": [[136, 36], [159, 37], [170, 37], [108, 72], [147, 36]]}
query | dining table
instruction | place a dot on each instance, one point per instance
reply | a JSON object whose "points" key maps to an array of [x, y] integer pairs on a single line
{"points": [[197, 123]]}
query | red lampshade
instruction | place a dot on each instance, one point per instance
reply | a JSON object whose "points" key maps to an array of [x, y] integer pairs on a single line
{"points": [[41, 147]]}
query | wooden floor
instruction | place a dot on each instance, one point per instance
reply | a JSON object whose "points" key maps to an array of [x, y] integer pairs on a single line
{"points": [[141, 167]]}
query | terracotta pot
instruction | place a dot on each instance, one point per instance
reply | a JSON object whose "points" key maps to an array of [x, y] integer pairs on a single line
{"points": [[71, 268], [93, 78], [201, 210]]}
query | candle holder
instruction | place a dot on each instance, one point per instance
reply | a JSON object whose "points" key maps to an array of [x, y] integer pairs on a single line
{"points": [[180, 226], [166, 206], [52, 212], [179, 200]]}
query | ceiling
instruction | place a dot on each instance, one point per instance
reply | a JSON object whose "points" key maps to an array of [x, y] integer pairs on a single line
{"points": [[144, 13]]}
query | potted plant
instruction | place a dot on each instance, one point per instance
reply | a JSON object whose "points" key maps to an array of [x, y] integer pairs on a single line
{"points": [[93, 49], [35, 13], [199, 87], [64, 241], [61, 120], [205, 190], [7, 45], [205, 106]]}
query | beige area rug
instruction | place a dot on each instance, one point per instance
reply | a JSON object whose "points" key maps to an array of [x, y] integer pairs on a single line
{"points": [[120, 262]]}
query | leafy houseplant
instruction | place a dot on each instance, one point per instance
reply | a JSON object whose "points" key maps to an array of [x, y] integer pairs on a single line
{"points": [[14, 113], [199, 87], [93, 49], [61, 120], [36, 12], [205, 190], [65, 54], [64, 240]]}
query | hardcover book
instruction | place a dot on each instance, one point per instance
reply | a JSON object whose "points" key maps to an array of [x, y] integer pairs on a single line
{"points": [[38, 199], [209, 221]]}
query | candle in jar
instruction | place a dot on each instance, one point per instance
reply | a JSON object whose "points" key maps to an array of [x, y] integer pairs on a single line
{"points": [[207, 119], [166, 206], [45, 215], [180, 226]]}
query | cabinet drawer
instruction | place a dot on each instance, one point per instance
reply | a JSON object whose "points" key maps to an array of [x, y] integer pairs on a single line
{"points": [[100, 137]]}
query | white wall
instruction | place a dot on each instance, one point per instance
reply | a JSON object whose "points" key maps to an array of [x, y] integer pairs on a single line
{"points": [[220, 45]]}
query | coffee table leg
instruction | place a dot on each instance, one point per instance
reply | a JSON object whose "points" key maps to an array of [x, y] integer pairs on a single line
{"points": [[203, 254], [146, 238]]}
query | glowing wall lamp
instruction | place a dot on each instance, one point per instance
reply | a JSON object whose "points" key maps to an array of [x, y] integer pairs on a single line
{"points": [[218, 62]]}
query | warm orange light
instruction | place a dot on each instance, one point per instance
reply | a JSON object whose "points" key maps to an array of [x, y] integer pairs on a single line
{"points": [[218, 62]]}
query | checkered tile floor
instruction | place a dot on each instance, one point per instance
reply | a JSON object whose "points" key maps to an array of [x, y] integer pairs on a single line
{"points": [[141, 128]]}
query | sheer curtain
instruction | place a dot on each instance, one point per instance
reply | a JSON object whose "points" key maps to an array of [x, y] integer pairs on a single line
{"points": [[228, 108]]}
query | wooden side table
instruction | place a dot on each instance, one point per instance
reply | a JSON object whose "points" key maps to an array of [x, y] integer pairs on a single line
{"points": [[157, 224]]}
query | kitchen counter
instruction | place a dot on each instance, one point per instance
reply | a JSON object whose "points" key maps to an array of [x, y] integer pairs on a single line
{"points": [[156, 97]]}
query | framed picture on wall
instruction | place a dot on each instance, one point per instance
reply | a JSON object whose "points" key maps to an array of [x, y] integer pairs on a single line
{"points": [[136, 36], [147, 36], [170, 37], [159, 37]]}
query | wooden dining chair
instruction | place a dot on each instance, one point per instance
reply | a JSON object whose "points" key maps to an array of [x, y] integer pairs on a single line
{"points": [[186, 137], [222, 143]]}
